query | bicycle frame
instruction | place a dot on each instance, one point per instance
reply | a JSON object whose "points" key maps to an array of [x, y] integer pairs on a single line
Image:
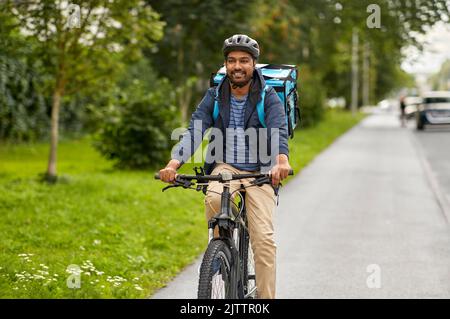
{"points": [[229, 232]]}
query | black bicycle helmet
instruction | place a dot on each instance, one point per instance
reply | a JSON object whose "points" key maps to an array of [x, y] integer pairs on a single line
{"points": [[241, 42]]}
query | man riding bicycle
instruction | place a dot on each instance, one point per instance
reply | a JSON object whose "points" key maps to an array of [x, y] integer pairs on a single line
{"points": [[237, 96]]}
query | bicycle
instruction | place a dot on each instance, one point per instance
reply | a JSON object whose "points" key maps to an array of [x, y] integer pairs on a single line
{"points": [[227, 270]]}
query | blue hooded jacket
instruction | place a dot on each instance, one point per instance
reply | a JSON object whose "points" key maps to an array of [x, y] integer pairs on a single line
{"points": [[274, 118]]}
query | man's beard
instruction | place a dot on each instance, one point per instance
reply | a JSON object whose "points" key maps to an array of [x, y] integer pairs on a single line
{"points": [[240, 83]]}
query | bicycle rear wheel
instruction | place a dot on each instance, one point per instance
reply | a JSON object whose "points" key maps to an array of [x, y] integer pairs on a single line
{"points": [[215, 272]]}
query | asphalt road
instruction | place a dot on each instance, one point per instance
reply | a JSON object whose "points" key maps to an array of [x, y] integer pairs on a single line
{"points": [[365, 207], [435, 144], [364, 220]]}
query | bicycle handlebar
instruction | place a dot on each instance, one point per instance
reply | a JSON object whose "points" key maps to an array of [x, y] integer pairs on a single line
{"points": [[220, 177]]}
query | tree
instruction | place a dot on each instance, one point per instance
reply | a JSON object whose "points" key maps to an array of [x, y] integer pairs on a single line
{"points": [[191, 47], [23, 109], [401, 23], [441, 80], [82, 45]]}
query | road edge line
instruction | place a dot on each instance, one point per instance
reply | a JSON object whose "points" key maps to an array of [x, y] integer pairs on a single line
{"points": [[432, 179]]}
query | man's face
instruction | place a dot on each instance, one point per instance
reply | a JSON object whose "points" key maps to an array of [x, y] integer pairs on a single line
{"points": [[240, 66]]}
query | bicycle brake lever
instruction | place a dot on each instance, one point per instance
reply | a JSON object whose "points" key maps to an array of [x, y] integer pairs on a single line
{"points": [[260, 181], [179, 183], [167, 187], [265, 180]]}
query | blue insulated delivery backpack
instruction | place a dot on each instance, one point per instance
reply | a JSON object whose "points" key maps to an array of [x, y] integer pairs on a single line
{"points": [[283, 78]]}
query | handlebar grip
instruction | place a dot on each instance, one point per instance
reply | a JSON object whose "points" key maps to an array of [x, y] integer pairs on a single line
{"points": [[291, 172], [157, 175]]}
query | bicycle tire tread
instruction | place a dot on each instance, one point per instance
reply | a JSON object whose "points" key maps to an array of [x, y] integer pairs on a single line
{"points": [[204, 285]]}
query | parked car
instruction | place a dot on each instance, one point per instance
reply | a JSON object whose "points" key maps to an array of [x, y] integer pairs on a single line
{"points": [[434, 109]]}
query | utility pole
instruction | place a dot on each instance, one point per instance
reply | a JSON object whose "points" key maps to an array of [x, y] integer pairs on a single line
{"points": [[366, 74], [355, 84]]}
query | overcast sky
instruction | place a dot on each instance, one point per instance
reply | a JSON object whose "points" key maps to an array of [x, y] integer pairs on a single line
{"points": [[437, 50]]}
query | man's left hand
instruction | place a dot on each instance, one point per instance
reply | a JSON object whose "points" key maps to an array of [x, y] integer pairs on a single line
{"points": [[281, 170]]}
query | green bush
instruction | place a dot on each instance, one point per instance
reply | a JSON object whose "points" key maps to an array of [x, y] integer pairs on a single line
{"points": [[23, 109], [311, 98], [136, 131]]}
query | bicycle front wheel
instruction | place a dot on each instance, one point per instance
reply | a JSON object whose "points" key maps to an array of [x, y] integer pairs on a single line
{"points": [[215, 272]]}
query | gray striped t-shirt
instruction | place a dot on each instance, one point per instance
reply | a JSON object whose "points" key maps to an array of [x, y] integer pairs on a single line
{"points": [[236, 148]]}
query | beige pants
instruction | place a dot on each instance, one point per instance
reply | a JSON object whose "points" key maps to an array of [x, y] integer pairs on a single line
{"points": [[260, 202]]}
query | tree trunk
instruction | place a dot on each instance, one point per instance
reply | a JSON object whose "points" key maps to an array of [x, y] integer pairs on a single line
{"points": [[51, 170], [184, 101], [366, 74], [355, 72]]}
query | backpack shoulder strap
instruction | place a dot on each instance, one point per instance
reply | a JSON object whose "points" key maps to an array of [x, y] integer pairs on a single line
{"points": [[260, 106], [216, 105]]}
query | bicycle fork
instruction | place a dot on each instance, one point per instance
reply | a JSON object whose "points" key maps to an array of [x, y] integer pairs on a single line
{"points": [[224, 219]]}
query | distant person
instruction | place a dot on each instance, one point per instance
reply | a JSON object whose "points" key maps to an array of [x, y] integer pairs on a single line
{"points": [[403, 111]]}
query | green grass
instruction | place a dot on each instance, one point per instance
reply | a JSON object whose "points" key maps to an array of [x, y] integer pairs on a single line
{"points": [[127, 237]]}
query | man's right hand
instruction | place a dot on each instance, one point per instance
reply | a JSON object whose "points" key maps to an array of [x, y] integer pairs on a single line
{"points": [[168, 173]]}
